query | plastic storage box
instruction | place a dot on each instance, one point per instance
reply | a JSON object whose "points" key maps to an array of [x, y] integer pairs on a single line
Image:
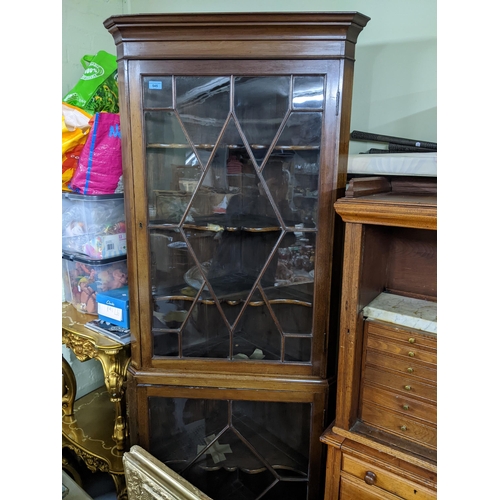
{"points": [[84, 278], [93, 226]]}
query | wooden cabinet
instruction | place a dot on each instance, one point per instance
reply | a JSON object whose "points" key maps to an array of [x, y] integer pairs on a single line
{"points": [[235, 132], [383, 441]]}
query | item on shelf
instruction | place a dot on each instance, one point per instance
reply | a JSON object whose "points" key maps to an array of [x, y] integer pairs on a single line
{"points": [[96, 90], [84, 278], [110, 330], [93, 226], [112, 306]]}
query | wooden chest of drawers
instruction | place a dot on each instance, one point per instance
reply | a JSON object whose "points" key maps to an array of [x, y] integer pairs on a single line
{"points": [[369, 474], [383, 442], [399, 382]]}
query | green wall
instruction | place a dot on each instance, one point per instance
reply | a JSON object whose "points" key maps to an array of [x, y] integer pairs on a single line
{"points": [[395, 79]]}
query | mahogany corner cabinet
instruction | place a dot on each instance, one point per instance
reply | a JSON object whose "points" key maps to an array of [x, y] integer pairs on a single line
{"points": [[235, 133]]}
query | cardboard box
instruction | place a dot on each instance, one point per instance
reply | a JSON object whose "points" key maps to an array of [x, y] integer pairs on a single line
{"points": [[112, 306]]}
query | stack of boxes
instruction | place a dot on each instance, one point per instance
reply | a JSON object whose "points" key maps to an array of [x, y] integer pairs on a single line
{"points": [[94, 252]]}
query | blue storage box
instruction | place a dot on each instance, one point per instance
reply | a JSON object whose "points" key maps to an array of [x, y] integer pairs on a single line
{"points": [[112, 306]]}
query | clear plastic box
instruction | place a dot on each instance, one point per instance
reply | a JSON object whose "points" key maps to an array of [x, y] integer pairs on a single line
{"points": [[84, 278], [93, 226]]}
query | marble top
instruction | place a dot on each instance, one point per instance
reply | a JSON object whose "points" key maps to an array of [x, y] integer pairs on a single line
{"points": [[414, 164], [404, 311]]}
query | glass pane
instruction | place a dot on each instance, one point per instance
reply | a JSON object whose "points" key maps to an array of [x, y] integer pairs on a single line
{"points": [[233, 222], [234, 449], [296, 257], [203, 106], [170, 259], [297, 349], [173, 170], [308, 92], [256, 336], [301, 139], [261, 104], [157, 91]]}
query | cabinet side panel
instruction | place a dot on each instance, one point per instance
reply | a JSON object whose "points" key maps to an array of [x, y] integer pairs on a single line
{"points": [[128, 184]]}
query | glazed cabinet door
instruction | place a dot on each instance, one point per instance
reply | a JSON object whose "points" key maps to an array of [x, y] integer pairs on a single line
{"points": [[244, 444], [234, 177]]}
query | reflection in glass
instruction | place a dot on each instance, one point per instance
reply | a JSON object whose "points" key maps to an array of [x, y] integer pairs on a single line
{"points": [[303, 130], [260, 105], [308, 92], [234, 449], [203, 106]]}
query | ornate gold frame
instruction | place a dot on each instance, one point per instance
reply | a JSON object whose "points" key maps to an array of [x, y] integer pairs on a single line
{"points": [[149, 479]]}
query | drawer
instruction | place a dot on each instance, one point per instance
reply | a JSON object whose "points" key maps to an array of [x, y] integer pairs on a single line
{"points": [[398, 402], [403, 384], [354, 489], [405, 350], [385, 484], [399, 424], [404, 366], [402, 334]]}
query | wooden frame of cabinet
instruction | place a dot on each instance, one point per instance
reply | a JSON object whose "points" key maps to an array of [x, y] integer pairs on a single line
{"points": [[168, 48], [390, 246]]}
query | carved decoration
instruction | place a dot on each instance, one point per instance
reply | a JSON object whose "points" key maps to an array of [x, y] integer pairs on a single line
{"points": [[83, 348], [91, 461], [149, 479]]}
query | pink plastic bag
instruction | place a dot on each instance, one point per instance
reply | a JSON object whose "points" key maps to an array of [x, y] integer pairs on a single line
{"points": [[99, 169]]}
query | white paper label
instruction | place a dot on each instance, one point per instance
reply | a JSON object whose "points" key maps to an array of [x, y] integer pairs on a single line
{"points": [[110, 312]]}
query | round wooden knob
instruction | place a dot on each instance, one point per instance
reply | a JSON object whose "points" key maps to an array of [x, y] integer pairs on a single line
{"points": [[370, 477]]}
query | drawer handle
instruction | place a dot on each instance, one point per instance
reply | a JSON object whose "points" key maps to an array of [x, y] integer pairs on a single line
{"points": [[408, 387], [406, 407], [403, 427], [411, 354], [409, 370], [370, 477], [411, 340]]}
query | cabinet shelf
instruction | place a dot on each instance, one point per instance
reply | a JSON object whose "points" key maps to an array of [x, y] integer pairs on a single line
{"points": [[256, 147], [299, 294], [223, 222]]}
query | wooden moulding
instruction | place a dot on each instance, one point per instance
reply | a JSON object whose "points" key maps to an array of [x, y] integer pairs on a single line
{"points": [[390, 209], [252, 35], [364, 186]]}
